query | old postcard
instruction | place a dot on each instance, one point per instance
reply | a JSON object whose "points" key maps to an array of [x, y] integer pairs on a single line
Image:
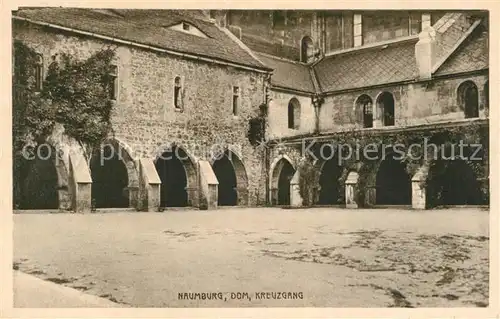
{"points": [[251, 158]]}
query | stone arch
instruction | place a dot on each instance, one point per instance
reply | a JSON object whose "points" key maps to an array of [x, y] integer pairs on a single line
{"points": [[386, 108], [41, 179], [330, 184], [178, 174], [232, 177], [363, 107], [468, 99], [281, 171], [114, 176], [306, 49], [453, 181], [294, 113], [393, 183], [486, 94]]}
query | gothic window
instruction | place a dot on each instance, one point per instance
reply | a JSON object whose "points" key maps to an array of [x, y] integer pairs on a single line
{"points": [[293, 114], [236, 97], [364, 105], [468, 99], [385, 105]]}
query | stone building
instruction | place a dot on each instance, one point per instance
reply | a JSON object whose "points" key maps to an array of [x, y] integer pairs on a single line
{"points": [[189, 80], [184, 87]]}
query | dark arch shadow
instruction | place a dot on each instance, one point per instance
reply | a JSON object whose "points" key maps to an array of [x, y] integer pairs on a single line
{"points": [[232, 178], [285, 174], [38, 180], [109, 179], [329, 182], [171, 167], [393, 183], [453, 182]]}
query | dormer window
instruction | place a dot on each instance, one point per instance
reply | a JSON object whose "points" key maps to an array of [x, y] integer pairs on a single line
{"points": [[187, 27]]}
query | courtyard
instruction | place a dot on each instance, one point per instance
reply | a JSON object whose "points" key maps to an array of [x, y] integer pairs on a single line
{"points": [[321, 257]]}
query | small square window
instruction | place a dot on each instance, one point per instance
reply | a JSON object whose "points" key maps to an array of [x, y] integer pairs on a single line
{"points": [[185, 26]]}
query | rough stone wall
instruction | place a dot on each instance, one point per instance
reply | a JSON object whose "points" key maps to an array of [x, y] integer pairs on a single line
{"points": [[144, 116], [278, 115], [415, 104]]}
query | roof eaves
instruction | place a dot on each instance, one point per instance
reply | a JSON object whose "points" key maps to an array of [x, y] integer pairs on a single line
{"points": [[261, 69], [440, 63], [292, 90]]}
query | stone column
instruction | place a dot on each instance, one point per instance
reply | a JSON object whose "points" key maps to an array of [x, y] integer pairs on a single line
{"points": [[351, 184], [208, 188], [418, 192], [80, 183], [149, 186], [295, 198]]}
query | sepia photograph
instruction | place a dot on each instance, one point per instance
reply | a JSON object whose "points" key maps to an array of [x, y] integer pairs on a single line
{"points": [[257, 158]]}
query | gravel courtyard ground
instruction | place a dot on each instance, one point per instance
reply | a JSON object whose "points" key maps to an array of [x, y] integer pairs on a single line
{"points": [[331, 257]]}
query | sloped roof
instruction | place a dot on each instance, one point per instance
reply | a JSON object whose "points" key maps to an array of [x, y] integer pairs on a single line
{"points": [[149, 27], [470, 56], [367, 67], [289, 74]]}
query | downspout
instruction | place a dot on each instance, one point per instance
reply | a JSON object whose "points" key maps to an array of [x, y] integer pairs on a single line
{"points": [[317, 101]]}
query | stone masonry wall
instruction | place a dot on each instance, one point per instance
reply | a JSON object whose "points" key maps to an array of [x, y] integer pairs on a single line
{"points": [[415, 104], [144, 117], [278, 115]]}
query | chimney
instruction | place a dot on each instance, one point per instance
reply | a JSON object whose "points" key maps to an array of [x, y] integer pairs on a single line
{"points": [[425, 53]]}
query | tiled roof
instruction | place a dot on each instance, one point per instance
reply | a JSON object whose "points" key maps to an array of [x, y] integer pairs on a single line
{"points": [[149, 27], [289, 74], [367, 67], [470, 56], [276, 49]]}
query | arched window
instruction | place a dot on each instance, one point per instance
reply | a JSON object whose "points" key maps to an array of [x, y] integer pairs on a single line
{"points": [[385, 105], [306, 49], [293, 114], [38, 72], [468, 100], [364, 107]]}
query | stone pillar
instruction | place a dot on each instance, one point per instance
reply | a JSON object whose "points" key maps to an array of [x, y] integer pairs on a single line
{"points": [[425, 53], [418, 192], [80, 183], [149, 186], [274, 196], [295, 198], [351, 184], [208, 188]]}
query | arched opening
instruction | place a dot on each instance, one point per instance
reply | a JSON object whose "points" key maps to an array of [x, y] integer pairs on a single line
{"points": [[282, 175], [468, 99], [174, 177], [109, 178], [37, 186], [486, 95], [364, 107], [293, 114], [232, 178], [453, 182], [329, 182], [306, 49], [385, 103], [393, 183]]}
